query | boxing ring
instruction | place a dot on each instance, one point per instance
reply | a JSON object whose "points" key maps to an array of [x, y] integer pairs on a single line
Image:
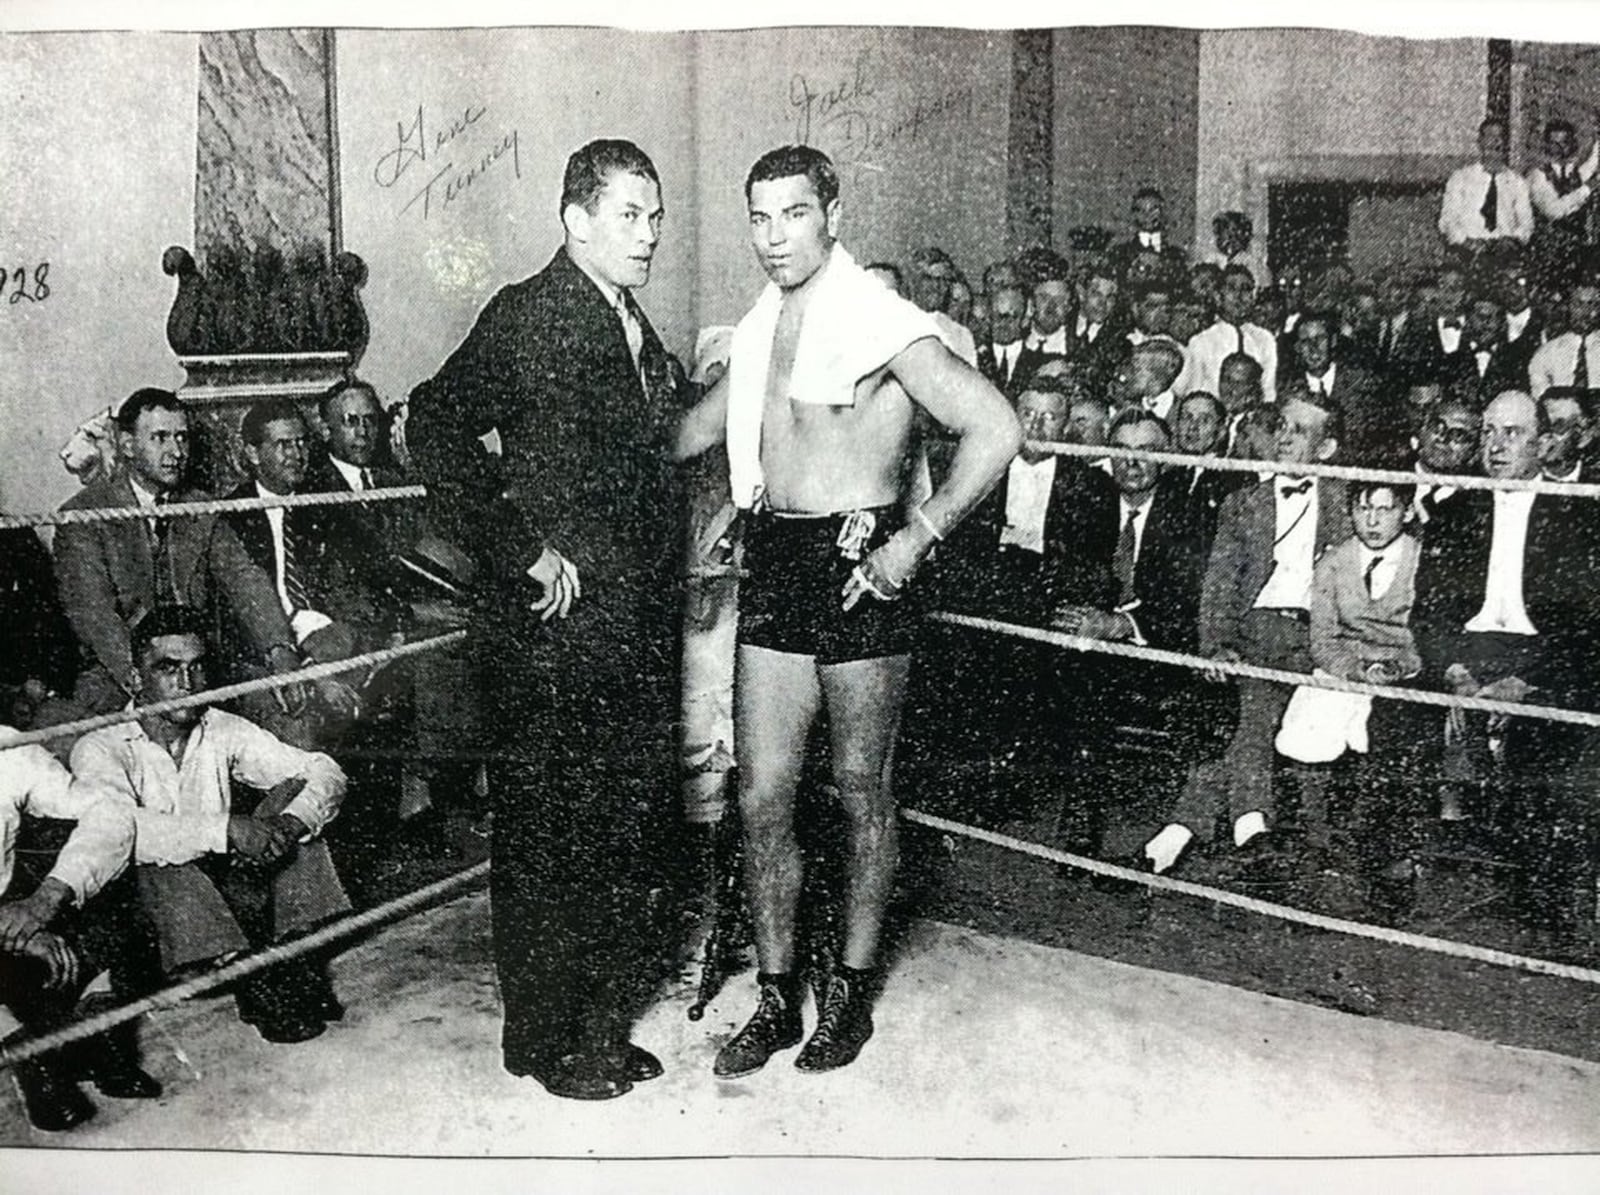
{"points": [[987, 1046]]}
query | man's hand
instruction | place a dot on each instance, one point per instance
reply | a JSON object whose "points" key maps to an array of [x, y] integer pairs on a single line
{"points": [[283, 660], [558, 577], [1381, 672], [887, 568], [260, 841], [59, 959], [291, 828], [1507, 688], [1093, 623], [20, 920], [1223, 655]]}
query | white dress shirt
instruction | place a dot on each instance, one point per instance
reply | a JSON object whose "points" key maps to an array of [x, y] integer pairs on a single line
{"points": [[1449, 333], [1322, 383], [1055, 343], [34, 782], [1027, 500], [1503, 608], [1005, 356], [1141, 516], [302, 622], [1207, 348], [1085, 329], [1150, 240], [1558, 207], [1387, 569], [1439, 492], [357, 478], [1294, 548], [1517, 324], [1461, 215], [1159, 405], [182, 809], [1556, 360]]}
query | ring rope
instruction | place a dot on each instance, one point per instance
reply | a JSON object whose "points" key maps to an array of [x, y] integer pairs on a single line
{"points": [[211, 506], [1250, 904], [371, 659], [1159, 655], [1460, 481], [393, 910]]}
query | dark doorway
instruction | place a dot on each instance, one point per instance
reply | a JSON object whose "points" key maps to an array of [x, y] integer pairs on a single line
{"points": [[1372, 225]]}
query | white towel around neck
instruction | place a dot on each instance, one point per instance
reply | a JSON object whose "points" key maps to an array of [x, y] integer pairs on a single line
{"points": [[853, 326]]}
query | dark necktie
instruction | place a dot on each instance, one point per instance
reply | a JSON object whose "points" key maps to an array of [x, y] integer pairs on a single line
{"points": [[1239, 331], [294, 583], [1372, 567], [161, 556], [655, 370], [1580, 367], [366, 479], [1491, 205], [1123, 559]]}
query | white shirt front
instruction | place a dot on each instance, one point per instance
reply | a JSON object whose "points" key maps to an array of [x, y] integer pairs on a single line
{"points": [[354, 475], [1294, 547], [1558, 207], [1503, 608], [1086, 329], [302, 622], [1159, 405], [1150, 240], [1461, 213], [1556, 361], [1005, 356], [1208, 348], [1322, 383], [182, 810], [1517, 324], [1387, 569], [1027, 499], [1055, 343], [1449, 335]]}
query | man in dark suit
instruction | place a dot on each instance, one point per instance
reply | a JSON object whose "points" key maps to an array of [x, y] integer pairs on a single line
{"points": [[1171, 262], [1435, 328], [1001, 354], [1254, 607], [1484, 365], [112, 573], [1157, 564], [1049, 308], [578, 635], [1506, 609], [1201, 428], [1373, 421], [1099, 330]]}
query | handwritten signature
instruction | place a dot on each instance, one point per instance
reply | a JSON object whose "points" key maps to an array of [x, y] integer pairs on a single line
{"points": [[458, 182], [847, 116], [413, 146]]}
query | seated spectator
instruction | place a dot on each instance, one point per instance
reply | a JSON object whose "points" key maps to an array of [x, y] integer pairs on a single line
{"points": [[61, 923], [1147, 381], [1231, 233], [1201, 429], [1446, 446], [1524, 325], [216, 879], [1049, 305], [1255, 607], [1151, 311], [1361, 597], [1231, 333], [1088, 417], [1571, 358], [1433, 331], [1241, 383], [933, 275], [1189, 317], [1097, 341], [1506, 610], [1484, 365], [1205, 285], [112, 573], [39, 658], [1566, 442], [1373, 425], [999, 356], [1150, 237], [1255, 434]]}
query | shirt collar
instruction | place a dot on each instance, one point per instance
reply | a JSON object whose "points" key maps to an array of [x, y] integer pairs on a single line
{"points": [[612, 294], [350, 473], [142, 496], [1570, 475]]}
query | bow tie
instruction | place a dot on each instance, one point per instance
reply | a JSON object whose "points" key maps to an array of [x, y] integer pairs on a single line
{"points": [[1289, 489], [1150, 240]]}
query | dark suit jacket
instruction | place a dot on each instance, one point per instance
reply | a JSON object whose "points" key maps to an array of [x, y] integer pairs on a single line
{"points": [[1561, 559], [1174, 258], [1374, 414], [106, 575], [1206, 494], [37, 640], [359, 547], [1007, 384], [1508, 369], [1170, 567], [1080, 534], [1028, 360], [1419, 357], [1241, 556]]}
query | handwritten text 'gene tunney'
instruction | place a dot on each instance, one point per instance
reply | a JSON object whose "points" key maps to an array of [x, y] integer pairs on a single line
{"points": [[469, 158]]}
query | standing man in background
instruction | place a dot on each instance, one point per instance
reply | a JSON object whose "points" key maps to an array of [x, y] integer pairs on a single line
{"points": [[579, 634]]}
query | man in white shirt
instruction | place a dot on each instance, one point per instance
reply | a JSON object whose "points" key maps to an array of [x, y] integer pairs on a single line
{"points": [[1573, 358], [1486, 201], [1560, 190], [59, 928], [1233, 332], [216, 879]]}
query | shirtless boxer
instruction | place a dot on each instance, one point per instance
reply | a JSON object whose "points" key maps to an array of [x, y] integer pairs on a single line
{"points": [[818, 411]]}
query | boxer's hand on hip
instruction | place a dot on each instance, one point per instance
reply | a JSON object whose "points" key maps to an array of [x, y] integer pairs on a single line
{"points": [[558, 578], [885, 571]]}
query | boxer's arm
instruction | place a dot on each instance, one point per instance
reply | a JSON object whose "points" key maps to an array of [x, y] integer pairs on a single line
{"points": [[704, 425]]}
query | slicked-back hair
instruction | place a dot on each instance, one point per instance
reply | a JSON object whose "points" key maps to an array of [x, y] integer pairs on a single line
{"points": [[591, 167], [339, 389], [791, 161], [1217, 405], [253, 428], [1132, 416], [162, 621], [147, 398]]}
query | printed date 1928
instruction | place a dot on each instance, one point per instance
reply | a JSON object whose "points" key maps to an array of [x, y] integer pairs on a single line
{"points": [[19, 284]]}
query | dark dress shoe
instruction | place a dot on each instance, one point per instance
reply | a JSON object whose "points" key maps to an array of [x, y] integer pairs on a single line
{"points": [[636, 1064], [844, 1023], [111, 1062], [52, 1101], [573, 1076], [289, 1030], [774, 1026]]}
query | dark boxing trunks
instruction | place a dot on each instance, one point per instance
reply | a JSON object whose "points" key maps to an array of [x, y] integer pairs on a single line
{"points": [[791, 598]]}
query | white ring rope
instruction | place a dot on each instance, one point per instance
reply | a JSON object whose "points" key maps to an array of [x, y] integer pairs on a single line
{"points": [[1158, 655], [284, 680], [211, 506], [1357, 929]]}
